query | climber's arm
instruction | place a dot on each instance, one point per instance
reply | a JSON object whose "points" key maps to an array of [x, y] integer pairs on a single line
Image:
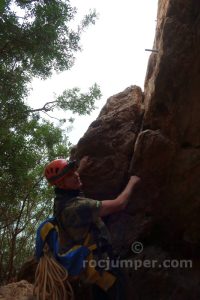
{"points": [[119, 203]]}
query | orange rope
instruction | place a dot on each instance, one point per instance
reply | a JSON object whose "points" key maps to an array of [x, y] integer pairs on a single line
{"points": [[51, 279]]}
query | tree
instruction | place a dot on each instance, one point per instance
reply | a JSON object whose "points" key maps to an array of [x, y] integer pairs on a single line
{"points": [[36, 39], [35, 44]]}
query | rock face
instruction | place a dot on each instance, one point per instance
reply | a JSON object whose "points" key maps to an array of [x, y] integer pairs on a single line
{"points": [[109, 142], [172, 110], [155, 136]]}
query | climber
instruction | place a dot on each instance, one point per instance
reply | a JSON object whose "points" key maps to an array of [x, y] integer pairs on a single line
{"points": [[79, 219]]}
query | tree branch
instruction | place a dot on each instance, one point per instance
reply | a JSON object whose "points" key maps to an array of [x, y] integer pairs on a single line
{"points": [[51, 116], [44, 108], [23, 206]]}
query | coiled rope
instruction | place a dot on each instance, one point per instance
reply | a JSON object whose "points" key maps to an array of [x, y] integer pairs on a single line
{"points": [[51, 279]]}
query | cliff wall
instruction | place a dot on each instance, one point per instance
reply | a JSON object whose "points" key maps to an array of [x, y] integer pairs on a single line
{"points": [[155, 135]]}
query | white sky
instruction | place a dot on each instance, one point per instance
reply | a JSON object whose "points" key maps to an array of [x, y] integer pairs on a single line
{"points": [[113, 55]]}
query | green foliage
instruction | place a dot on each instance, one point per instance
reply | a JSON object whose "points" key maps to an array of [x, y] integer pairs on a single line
{"points": [[25, 198], [78, 102], [73, 100], [36, 38], [41, 40]]}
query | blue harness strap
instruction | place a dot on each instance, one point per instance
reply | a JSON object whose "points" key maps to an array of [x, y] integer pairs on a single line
{"points": [[72, 260]]}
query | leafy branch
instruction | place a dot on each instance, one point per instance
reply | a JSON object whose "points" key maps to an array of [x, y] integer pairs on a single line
{"points": [[73, 100]]}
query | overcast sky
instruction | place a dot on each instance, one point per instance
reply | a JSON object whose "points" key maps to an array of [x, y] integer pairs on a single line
{"points": [[113, 55]]}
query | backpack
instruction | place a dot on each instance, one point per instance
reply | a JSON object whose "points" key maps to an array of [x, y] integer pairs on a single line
{"points": [[55, 271]]}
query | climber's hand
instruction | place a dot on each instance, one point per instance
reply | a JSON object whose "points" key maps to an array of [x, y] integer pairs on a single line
{"points": [[134, 180], [119, 203]]}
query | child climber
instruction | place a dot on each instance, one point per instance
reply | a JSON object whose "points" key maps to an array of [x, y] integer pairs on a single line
{"points": [[79, 222]]}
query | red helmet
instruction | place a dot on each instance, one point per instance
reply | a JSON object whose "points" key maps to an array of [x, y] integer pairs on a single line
{"points": [[56, 170]]}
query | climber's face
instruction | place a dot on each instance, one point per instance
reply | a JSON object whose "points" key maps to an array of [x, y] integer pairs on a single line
{"points": [[72, 181]]}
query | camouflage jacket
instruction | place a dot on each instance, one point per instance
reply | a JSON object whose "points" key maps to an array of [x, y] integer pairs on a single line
{"points": [[77, 216]]}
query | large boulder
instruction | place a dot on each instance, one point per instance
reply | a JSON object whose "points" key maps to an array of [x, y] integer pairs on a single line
{"points": [[21, 290], [158, 139], [109, 143]]}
